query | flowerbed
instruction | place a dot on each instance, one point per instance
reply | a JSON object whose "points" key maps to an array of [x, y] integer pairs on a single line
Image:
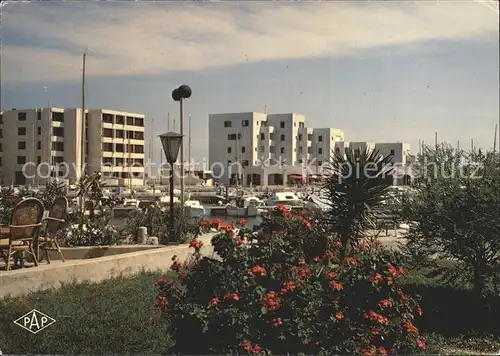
{"points": [[291, 294]]}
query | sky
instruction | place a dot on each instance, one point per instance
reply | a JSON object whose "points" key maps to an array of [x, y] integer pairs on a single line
{"points": [[382, 71]]}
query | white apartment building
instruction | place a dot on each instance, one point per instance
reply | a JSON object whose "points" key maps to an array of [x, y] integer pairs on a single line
{"points": [[116, 146], [266, 149], [36, 144]]}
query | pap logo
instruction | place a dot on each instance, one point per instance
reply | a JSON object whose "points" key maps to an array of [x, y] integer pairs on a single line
{"points": [[34, 321]]}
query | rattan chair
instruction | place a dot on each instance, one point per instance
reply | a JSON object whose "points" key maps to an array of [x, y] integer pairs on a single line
{"points": [[53, 223], [23, 231]]}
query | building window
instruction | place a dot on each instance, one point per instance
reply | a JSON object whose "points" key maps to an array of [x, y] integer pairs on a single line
{"points": [[392, 152], [228, 124], [21, 116], [320, 138], [245, 163], [39, 115], [38, 159], [21, 159], [39, 130], [139, 122], [130, 121], [107, 133], [229, 149], [1, 148], [282, 124], [301, 125], [107, 147], [257, 123], [245, 123], [58, 131], [119, 119], [262, 136], [282, 150], [320, 151], [320, 163], [300, 137], [229, 162], [272, 149], [58, 146], [282, 137], [309, 137], [232, 137], [242, 149], [39, 145], [337, 150], [21, 145], [294, 124], [1, 133], [21, 131], [58, 116], [262, 149]]}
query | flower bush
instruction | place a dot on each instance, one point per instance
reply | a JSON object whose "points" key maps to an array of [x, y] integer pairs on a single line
{"points": [[289, 295]]}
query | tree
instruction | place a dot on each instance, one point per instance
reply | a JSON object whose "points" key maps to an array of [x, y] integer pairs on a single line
{"points": [[456, 216], [355, 190]]}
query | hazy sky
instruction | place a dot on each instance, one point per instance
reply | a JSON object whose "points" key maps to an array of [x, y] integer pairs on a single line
{"points": [[381, 71]]}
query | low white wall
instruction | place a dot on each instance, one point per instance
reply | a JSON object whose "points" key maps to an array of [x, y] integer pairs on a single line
{"points": [[23, 281]]}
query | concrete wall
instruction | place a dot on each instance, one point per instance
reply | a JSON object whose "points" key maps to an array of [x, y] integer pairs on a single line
{"points": [[23, 281]]}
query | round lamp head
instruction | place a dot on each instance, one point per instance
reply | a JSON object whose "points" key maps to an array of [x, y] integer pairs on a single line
{"points": [[176, 95], [185, 91]]}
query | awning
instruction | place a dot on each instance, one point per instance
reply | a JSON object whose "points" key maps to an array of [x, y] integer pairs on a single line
{"points": [[296, 176]]}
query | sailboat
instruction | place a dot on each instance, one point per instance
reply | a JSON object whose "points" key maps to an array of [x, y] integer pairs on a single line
{"points": [[193, 208]]}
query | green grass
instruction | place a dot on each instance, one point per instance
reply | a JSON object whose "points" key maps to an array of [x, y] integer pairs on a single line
{"points": [[116, 316]]}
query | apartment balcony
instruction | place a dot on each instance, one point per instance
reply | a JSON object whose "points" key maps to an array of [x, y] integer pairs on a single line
{"points": [[57, 124], [57, 139], [133, 128]]}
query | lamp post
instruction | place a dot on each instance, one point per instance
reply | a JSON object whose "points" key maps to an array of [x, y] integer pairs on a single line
{"points": [[179, 94], [171, 142]]}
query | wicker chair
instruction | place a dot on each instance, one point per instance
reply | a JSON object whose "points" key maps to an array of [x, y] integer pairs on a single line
{"points": [[53, 222], [24, 230]]}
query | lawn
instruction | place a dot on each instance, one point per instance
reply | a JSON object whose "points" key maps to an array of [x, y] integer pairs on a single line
{"points": [[118, 316]]}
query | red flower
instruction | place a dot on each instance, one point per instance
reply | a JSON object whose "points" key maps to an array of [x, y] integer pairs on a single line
{"points": [[331, 275], [175, 266], [196, 244], [382, 351], [361, 246], [337, 244], [351, 260], [273, 268], [161, 302], [240, 241], [316, 258], [307, 224], [242, 221], [329, 255], [304, 272], [161, 282], [258, 271], [277, 322], [377, 278], [395, 272], [386, 303], [182, 275], [302, 262], [419, 311], [335, 285], [257, 349], [246, 345], [288, 286], [377, 317], [213, 302], [232, 296], [389, 281], [339, 315], [369, 351], [410, 328], [271, 301], [421, 344]]}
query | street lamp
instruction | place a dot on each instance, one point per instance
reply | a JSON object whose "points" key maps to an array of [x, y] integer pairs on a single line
{"points": [[171, 142], [179, 94]]}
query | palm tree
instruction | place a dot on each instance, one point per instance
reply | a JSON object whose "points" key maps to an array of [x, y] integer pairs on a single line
{"points": [[355, 190]]}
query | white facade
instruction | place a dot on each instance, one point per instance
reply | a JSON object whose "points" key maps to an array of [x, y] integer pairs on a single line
{"points": [[36, 142], [245, 143]]}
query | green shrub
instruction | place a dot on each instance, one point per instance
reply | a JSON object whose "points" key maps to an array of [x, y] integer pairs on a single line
{"points": [[289, 295]]}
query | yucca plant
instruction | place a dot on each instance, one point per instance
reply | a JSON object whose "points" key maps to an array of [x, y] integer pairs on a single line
{"points": [[355, 189]]}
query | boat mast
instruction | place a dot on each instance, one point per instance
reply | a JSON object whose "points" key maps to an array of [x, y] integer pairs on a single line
{"points": [[189, 154]]}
